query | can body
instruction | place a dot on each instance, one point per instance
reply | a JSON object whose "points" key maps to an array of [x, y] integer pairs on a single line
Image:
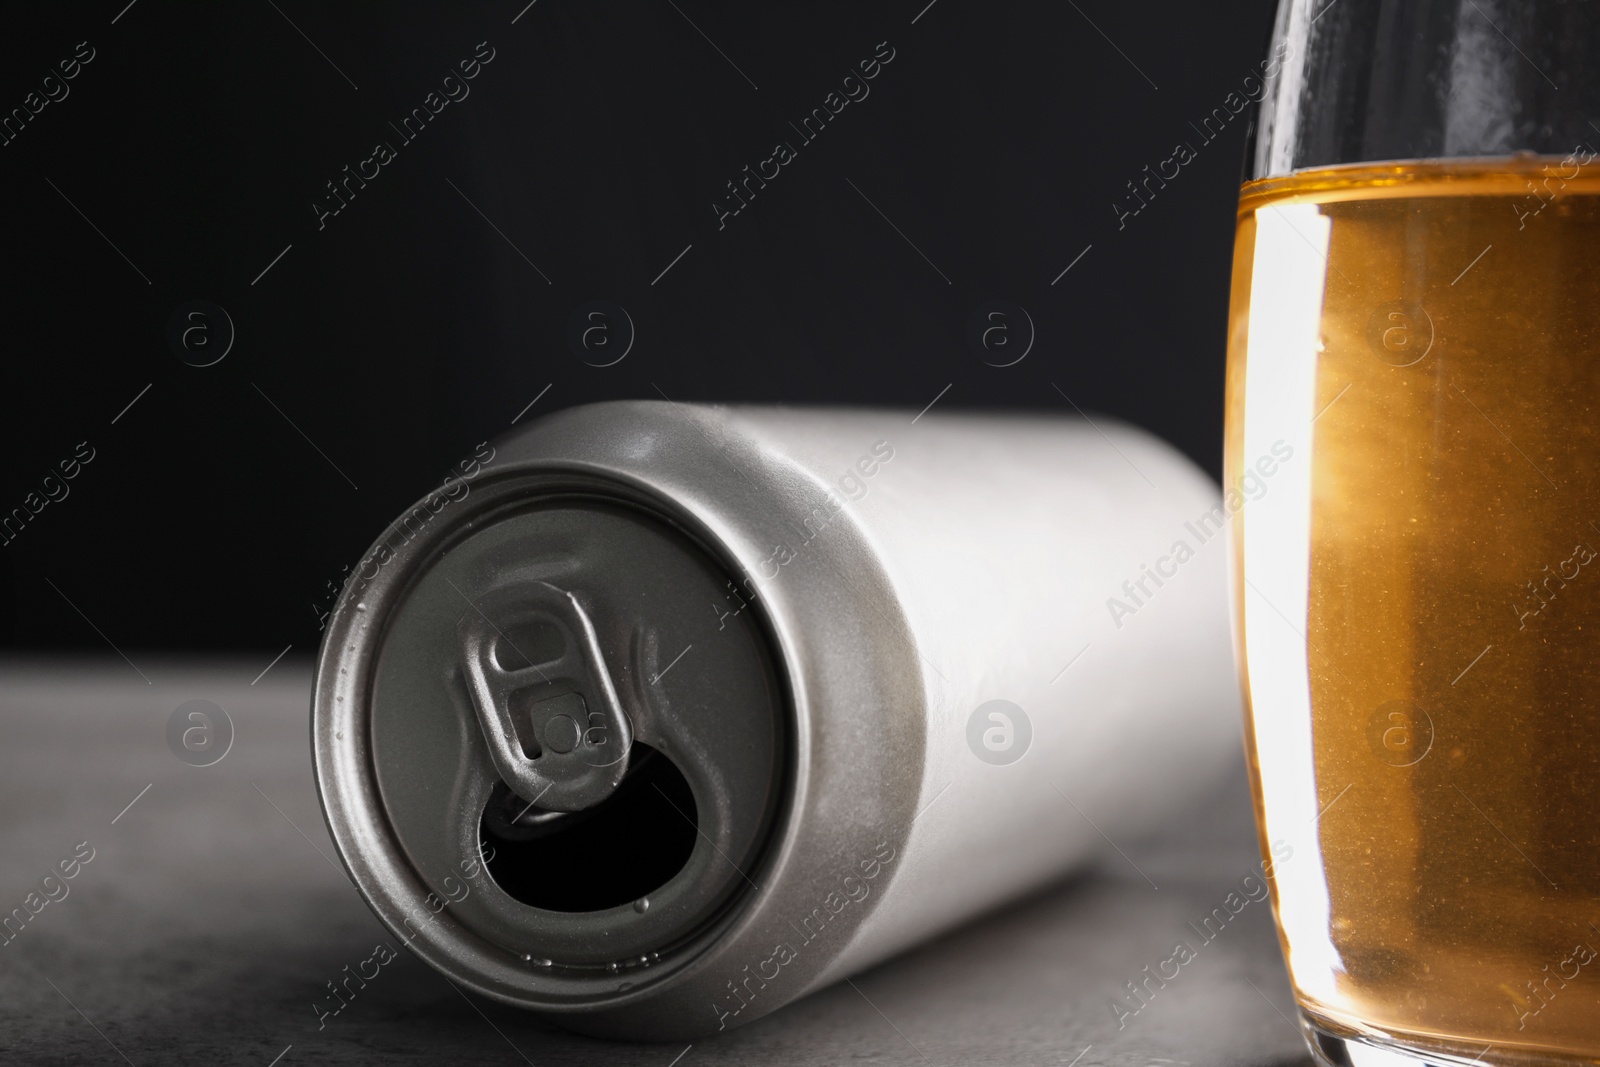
{"points": [[889, 672]]}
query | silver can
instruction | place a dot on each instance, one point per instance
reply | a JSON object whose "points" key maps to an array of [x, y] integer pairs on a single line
{"points": [[660, 716]]}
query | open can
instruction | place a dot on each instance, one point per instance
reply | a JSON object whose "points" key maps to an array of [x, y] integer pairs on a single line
{"points": [[669, 714]]}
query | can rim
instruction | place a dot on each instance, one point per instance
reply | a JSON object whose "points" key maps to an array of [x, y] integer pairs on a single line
{"points": [[359, 624]]}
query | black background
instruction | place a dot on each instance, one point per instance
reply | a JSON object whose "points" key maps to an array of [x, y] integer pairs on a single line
{"points": [[407, 329]]}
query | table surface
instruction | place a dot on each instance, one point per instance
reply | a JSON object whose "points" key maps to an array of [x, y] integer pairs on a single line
{"points": [[213, 914]]}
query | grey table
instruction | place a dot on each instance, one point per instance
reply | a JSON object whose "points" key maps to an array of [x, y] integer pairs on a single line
{"points": [[213, 914]]}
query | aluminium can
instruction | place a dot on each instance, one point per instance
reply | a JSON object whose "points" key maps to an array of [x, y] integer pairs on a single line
{"points": [[670, 714]]}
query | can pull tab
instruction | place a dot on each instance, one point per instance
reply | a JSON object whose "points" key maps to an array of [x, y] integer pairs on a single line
{"points": [[545, 700]]}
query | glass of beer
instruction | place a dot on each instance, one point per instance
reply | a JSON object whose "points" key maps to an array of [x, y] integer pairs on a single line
{"points": [[1414, 376]]}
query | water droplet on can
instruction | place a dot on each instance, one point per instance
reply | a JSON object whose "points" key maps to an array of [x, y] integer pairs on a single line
{"points": [[641, 905]]}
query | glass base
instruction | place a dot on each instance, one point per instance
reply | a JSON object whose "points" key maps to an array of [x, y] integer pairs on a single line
{"points": [[1331, 1048]]}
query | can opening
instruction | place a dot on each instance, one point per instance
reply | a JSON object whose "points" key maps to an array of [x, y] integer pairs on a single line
{"points": [[624, 848]]}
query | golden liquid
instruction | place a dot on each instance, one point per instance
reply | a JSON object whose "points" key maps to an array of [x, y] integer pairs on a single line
{"points": [[1440, 390]]}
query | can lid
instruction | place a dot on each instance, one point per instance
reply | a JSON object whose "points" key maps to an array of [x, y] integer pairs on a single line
{"points": [[572, 739]]}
